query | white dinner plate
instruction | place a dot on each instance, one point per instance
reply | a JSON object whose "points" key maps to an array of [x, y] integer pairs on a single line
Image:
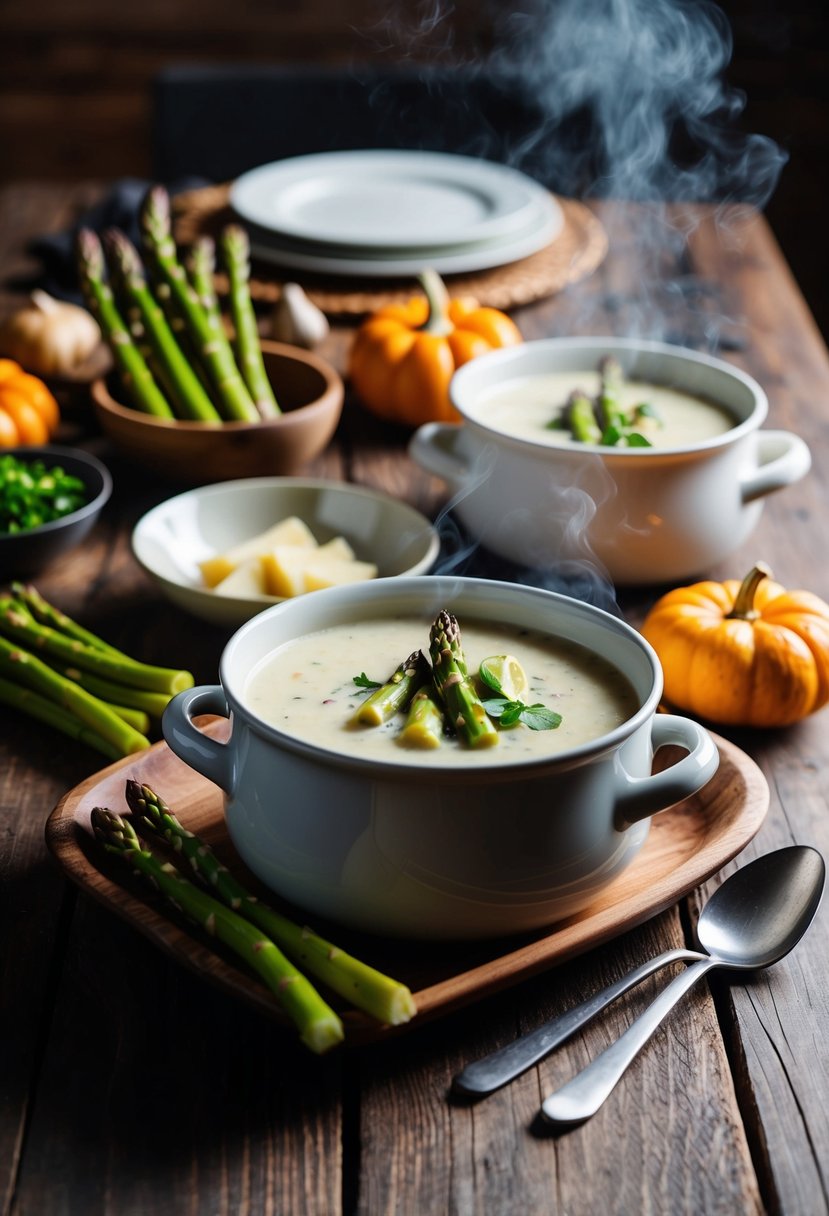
{"points": [[378, 264], [387, 200]]}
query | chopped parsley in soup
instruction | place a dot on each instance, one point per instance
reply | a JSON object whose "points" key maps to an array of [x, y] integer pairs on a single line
{"points": [[393, 690]]}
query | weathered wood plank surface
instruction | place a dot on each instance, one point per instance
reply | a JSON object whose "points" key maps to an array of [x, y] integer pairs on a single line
{"points": [[130, 1087]]}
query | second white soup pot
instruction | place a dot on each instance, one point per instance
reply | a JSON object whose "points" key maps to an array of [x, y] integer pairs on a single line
{"points": [[644, 514]]}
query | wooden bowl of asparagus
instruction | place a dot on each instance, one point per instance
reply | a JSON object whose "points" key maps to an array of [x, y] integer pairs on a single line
{"points": [[191, 397]]}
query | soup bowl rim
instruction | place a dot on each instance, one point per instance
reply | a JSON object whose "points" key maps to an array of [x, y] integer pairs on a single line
{"points": [[401, 587], [472, 378]]}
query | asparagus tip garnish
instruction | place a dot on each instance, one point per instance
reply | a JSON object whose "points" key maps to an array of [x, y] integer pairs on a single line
{"points": [[464, 708]]}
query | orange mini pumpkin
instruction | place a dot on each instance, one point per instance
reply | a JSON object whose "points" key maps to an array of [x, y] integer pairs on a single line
{"points": [[744, 654], [404, 355], [30, 412]]}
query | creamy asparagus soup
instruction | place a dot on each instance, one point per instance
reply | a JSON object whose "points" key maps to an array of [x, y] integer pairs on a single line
{"points": [[540, 408], [307, 689]]}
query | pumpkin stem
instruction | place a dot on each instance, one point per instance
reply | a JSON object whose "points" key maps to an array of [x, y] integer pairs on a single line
{"points": [[744, 609], [437, 297]]}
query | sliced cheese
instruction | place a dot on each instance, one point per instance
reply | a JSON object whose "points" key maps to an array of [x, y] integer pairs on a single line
{"points": [[290, 531], [283, 570], [337, 548], [335, 572], [246, 581]]}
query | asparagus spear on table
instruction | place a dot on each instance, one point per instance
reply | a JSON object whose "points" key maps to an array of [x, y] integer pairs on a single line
{"points": [[396, 692], [232, 397], [378, 995], [142, 699], [235, 248], [136, 375], [17, 622], [463, 705], [24, 700], [185, 388], [20, 667], [319, 1026], [47, 614]]}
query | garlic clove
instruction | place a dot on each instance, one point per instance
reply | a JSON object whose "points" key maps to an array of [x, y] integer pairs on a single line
{"points": [[49, 337], [297, 320]]}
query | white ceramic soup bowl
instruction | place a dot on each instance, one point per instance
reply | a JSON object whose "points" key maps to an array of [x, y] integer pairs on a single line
{"points": [[645, 514], [409, 849]]}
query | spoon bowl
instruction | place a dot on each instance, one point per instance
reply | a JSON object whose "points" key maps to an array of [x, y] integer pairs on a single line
{"points": [[761, 912]]}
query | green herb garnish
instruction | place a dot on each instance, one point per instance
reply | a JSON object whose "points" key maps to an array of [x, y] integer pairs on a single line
{"points": [[362, 681], [511, 711], [32, 494]]}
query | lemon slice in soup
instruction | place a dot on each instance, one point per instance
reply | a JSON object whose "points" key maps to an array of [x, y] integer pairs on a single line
{"points": [[505, 675]]}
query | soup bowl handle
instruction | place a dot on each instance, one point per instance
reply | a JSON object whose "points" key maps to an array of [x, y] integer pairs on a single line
{"points": [[783, 458], [639, 797], [434, 447], [211, 758]]}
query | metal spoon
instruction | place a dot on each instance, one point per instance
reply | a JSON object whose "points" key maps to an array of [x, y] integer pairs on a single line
{"points": [[752, 921], [486, 1075]]}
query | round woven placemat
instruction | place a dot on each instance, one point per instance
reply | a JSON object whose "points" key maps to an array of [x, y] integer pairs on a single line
{"points": [[579, 248]]}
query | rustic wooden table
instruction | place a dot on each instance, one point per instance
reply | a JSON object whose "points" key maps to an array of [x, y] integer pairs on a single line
{"points": [[130, 1086]]}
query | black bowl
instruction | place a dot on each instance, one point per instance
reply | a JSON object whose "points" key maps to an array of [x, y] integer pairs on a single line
{"points": [[26, 553]]}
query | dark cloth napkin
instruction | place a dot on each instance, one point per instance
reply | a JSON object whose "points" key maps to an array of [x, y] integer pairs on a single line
{"points": [[55, 251]]}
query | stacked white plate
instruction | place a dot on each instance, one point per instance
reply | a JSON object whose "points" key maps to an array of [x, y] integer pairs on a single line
{"points": [[385, 213]]}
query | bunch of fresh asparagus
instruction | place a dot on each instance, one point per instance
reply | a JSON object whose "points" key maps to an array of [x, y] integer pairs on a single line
{"points": [[441, 698], [55, 670], [603, 419], [255, 932], [163, 323]]}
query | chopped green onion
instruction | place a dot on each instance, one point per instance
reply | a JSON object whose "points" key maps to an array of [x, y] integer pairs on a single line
{"points": [[32, 494]]}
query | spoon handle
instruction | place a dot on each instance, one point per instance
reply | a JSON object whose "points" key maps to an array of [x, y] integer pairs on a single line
{"points": [[489, 1073], [580, 1098]]}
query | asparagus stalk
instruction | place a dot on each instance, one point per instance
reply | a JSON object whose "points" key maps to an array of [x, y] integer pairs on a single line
{"points": [[184, 385], [234, 400], [21, 667], [318, 1024], [236, 256], [463, 705], [397, 691], [17, 622], [611, 414], [151, 703], [136, 375], [35, 706], [378, 995], [200, 263], [581, 418], [424, 723], [48, 614], [136, 718]]}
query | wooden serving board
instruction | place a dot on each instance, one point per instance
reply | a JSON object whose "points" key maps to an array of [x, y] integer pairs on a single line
{"points": [[686, 845]]}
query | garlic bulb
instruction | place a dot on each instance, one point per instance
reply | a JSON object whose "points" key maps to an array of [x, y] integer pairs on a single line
{"points": [[49, 337], [297, 320]]}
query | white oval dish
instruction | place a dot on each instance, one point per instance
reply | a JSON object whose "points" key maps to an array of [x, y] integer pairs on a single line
{"points": [[388, 199], [171, 539]]}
